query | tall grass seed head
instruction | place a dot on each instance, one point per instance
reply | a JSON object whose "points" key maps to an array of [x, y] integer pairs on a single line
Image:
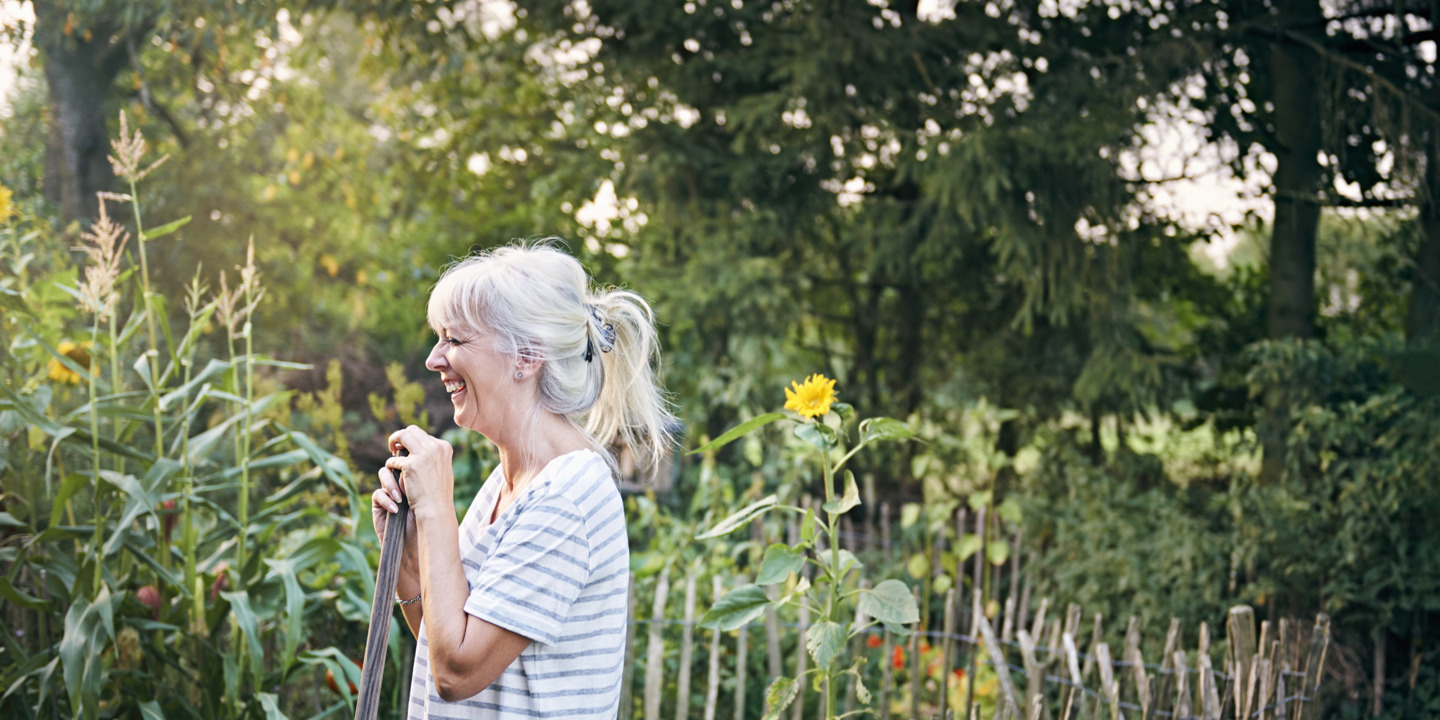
{"points": [[104, 244], [129, 152]]}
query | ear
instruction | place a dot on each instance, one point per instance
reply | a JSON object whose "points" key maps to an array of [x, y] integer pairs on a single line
{"points": [[528, 365]]}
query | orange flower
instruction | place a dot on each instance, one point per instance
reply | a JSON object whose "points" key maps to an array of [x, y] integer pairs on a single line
{"points": [[873, 642], [959, 673], [899, 658]]}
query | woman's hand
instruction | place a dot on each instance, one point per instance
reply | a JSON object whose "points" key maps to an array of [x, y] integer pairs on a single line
{"points": [[386, 501], [425, 476]]}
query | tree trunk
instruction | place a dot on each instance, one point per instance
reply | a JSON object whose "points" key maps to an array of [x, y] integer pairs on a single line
{"points": [[1295, 92], [80, 73]]}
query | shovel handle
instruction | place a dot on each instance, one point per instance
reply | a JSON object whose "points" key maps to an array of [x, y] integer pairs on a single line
{"points": [[387, 575]]}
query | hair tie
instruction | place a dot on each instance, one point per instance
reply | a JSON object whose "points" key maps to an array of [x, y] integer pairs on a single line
{"points": [[607, 333]]}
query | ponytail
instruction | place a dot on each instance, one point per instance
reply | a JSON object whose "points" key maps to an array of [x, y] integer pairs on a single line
{"points": [[630, 406]]}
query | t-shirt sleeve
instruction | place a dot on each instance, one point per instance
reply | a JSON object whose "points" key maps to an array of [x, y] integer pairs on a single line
{"points": [[536, 571]]}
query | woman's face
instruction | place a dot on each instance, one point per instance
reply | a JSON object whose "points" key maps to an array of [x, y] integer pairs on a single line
{"points": [[479, 378]]}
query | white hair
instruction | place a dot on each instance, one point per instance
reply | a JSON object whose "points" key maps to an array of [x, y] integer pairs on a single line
{"points": [[595, 347]]}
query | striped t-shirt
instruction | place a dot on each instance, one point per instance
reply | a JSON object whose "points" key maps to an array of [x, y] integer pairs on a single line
{"points": [[554, 567]]}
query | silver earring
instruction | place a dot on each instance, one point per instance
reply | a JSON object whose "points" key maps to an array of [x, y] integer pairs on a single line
{"points": [[519, 375]]}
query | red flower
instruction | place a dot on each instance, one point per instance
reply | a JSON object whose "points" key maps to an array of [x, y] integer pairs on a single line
{"points": [[873, 642], [959, 673], [899, 658]]}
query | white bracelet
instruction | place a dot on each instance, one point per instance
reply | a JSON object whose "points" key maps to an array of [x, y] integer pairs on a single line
{"points": [[411, 601]]}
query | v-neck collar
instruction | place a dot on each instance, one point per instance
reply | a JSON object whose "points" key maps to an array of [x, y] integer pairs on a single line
{"points": [[492, 518]]}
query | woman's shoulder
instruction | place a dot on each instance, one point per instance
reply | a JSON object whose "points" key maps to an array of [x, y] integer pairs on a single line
{"points": [[579, 477]]}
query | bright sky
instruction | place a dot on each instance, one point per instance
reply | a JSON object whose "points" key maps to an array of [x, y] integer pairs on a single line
{"points": [[11, 57]]}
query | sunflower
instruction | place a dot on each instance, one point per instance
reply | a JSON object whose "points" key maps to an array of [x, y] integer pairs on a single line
{"points": [[811, 399], [80, 354], [7, 208]]}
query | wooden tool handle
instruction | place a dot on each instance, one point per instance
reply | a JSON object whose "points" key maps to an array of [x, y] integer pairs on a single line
{"points": [[367, 703]]}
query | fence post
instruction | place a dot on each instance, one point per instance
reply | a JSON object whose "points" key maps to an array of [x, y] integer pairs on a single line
{"points": [[1109, 687], [947, 644], [1076, 694], [1034, 676], [627, 680], [802, 661], [712, 690], [915, 682], [1002, 669], [1314, 661], [1182, 686], [655, 648], [887, 675], [741, 655], [1240, 630], [687, 640]]}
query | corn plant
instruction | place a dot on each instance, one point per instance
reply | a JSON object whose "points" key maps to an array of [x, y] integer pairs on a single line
{"points": [[125, 422]]}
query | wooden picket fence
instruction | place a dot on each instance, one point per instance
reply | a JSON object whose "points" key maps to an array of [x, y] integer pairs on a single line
{"points": [[1035, 653]]}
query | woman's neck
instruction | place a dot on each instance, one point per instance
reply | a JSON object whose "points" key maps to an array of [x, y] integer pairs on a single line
{"points": [[524, 455]]}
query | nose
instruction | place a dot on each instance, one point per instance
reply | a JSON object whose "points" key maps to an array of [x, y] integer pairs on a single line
{"points": [[436, 360]]}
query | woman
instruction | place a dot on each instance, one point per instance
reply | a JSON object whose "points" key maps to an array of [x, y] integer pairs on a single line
{"points": [[520, 608]]}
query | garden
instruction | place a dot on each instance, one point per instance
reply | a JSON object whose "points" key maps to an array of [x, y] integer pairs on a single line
{"points": [[1032, 360]]}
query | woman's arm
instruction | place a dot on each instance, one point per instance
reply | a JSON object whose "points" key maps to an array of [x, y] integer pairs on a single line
{"points": [[467, 654]]}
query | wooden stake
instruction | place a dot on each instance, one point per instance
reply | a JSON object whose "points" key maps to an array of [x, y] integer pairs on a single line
{"points": [[655, 649], [687, 642], [712, 688], [627, 679]]}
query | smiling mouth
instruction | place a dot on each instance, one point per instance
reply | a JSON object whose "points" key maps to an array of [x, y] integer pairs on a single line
{"points": [[455, 387]]}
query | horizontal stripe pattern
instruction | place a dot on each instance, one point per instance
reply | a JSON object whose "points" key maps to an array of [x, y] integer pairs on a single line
{"points": [[554, 567]]}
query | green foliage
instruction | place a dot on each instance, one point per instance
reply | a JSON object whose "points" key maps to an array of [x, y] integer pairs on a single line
{"points": [[889, 603], [142, 577]]}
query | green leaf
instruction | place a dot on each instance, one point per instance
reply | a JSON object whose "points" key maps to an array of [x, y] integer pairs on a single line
{"points": [[271, 703], [14, 302], [997, 552], [779, 695], [150, 710], [81, 650], [807, 527], [883, 428], [245, 617], [850, 499], [737, 431], [918, 565], [861, 692], [909, 515], [980, 499], [294, 606], [825, 640], [780, 561], [890, 602], [821, 436], [14, 595], [844, 410], [969, 545], [741, 518], [1009, 510], [737, 608], [848, 562], [167, 228]]}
